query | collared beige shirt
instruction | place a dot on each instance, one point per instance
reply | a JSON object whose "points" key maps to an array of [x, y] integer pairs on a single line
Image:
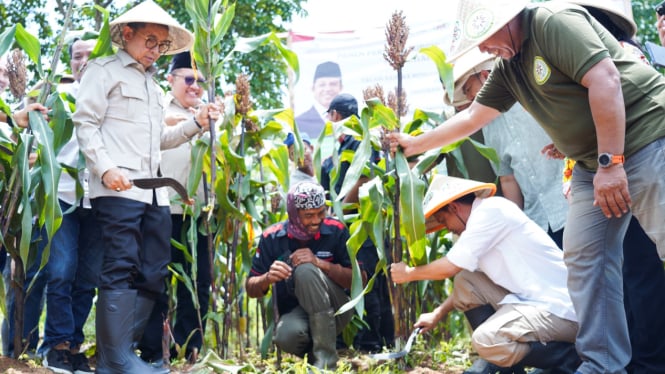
{"points": [[177, 162], [119, 123]]}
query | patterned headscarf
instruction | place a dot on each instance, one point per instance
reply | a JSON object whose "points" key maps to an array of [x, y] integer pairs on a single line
{"points": [[304, 195]]}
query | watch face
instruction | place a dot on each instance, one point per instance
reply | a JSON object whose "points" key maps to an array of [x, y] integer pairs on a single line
{"points": [[604, 159]]}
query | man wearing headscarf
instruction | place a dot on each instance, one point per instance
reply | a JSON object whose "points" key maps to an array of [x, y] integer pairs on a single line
{"points": [[306, 259], [120, 127]]}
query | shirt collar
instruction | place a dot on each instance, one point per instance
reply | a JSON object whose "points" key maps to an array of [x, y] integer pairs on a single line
{"points": [[128, 60]]}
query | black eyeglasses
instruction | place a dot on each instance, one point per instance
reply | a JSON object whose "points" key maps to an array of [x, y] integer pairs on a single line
{"points": [[189, 80], [152, 42]]}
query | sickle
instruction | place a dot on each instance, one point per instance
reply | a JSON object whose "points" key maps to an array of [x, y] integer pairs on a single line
{"points": [[151, 183]]}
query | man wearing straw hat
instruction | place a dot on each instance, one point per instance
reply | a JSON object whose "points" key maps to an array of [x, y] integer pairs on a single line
{"points": [[510, 279], [119, 123], [603, 109], [526, 177]]}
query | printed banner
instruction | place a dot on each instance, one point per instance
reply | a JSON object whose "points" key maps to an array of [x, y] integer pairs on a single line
{"points": [[359, 56]]}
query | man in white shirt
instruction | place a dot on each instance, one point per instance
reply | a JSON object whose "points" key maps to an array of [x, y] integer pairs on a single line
{"points": [[510, 279]]}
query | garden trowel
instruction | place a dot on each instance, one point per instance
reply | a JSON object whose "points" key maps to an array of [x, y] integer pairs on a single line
{"points": [[400, 354]]}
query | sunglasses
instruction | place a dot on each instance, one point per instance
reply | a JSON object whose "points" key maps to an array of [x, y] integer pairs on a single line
{"points": [[189, 80]]}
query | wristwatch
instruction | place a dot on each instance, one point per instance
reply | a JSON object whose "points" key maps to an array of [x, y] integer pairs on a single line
{"points": [[606, 160]]}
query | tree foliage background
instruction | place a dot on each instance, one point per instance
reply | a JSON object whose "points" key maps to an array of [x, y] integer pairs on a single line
{"points": [[267, 71]]}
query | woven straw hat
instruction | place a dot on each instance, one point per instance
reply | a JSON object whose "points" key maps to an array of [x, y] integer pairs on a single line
{"points": [[468, 64], [477, 20], [617, 16], [149, 12], [445, 189]]}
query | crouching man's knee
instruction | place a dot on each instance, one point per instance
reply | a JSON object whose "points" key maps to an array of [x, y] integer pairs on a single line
{"points": [[292, 336], [496, 348]]}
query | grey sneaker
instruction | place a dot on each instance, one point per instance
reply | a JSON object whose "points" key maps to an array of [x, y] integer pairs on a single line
{"points": [[80, 364], [59, 361]]}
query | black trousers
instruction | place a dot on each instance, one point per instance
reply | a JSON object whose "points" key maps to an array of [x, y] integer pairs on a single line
{"points": [[136, 240], [186, 318], [379, 315], [644, 301]]}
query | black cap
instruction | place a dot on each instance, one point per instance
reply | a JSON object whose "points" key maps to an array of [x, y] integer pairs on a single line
{"points": [[181, 60], [327, 69], [344, 104]]}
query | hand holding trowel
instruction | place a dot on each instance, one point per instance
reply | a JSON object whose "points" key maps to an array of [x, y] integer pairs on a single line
{"points": [[402, 353]]}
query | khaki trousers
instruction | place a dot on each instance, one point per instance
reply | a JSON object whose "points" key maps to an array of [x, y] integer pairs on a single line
{"points": [[503, 339]]}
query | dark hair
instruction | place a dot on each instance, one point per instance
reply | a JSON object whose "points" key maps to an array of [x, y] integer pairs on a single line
{"points": [[139, 25], [71, 45]]}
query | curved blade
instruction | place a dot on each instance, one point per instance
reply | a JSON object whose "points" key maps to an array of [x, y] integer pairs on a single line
{"points": [[150, 183], [402, 353]]}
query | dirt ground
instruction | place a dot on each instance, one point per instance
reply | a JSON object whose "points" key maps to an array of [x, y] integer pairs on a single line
{"points": [[11, 366]]}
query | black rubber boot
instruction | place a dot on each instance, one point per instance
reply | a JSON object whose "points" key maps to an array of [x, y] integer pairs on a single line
{"points": [[558, 357], [115, 323], [323, 330], [144, 306], [476, 317]]}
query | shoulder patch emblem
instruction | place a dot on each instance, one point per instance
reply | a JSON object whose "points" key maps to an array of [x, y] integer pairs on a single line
{"points": [[541, 71]]}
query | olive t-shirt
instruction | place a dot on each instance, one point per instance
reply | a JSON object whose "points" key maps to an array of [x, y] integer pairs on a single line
{"points": [[561, 43]]}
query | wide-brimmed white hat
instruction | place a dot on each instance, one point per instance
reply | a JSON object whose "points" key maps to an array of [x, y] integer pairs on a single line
{"points": [[477, 20], [617, 16], [468, 64], [443, 190], [149, 12]]}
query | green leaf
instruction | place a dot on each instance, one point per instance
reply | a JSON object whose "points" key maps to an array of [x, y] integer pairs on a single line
{"points": [[277, 161], [381, 115], [361, 157], [487, 152], [104, 46], [5, 108], [222, 23], [371, 196], [412, 192], [7, 39], [60, 122], [246, 45], [289, 56], [444, 68], [198, 159], [50, 214], [30, 44], [21, 158]]}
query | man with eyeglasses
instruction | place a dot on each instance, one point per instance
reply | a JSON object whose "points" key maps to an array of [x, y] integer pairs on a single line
{"points": [[510, 279], [179, 103], [120, 127]]}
